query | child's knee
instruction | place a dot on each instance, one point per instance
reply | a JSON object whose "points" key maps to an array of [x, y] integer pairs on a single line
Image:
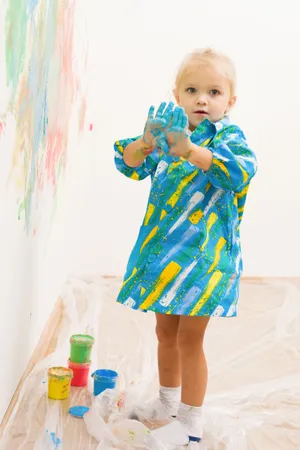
{"points": [[166, 335], [191, 332], [189, 339]]}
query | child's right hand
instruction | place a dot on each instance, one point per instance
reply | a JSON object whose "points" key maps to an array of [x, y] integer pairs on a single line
{"points": [[154, 135]]}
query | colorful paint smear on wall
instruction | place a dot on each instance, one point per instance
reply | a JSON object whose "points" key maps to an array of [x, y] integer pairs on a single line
{"points": [[43, 90]]}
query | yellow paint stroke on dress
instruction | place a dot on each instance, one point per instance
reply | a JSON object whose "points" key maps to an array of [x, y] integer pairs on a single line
{"points": [[176, 163], [241, 209], [220, 244], [235, 201], [129, 278], [196, 216], [149, 213], [165, 278], [149, 237], [220, 135], [206, 142], [243, 193], [245, 174], [143, 290], [213, 281], [183, 183], [170, 311], [134, 175], [222, 167], [207, 187], [163, 214], [210, 222], [119, 147]]}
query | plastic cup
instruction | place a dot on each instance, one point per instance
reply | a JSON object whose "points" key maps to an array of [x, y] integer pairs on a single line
{"points": [[59, 381], [81, 348], [104, 379], [81, 373]]}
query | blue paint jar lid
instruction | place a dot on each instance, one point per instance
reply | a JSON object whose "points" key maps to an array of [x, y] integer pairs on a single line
{"points": [[78, 411]]}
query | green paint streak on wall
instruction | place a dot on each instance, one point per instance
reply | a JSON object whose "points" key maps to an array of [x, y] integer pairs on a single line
{"points": [[16, 33]]}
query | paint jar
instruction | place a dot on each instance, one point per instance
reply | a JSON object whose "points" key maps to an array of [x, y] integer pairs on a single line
{"points": [[81, 348], [59, 381], [104, 379], [81, 373]]}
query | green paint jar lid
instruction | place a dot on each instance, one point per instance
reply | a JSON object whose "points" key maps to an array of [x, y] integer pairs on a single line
{"points": [[82, 340]]}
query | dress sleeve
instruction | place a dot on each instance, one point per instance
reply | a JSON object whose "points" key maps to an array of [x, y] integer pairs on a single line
{"points": [[234, 163], [148, 166]]}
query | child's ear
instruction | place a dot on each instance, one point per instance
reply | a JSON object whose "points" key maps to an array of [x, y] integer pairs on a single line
{"points": [[231, 103], [175, 93]]}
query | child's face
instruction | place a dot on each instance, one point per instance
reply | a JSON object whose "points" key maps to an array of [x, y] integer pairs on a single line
{"points": [[204, 93]]}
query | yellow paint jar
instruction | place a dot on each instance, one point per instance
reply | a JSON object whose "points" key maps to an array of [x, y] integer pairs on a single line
{"points": [[59, 382]]}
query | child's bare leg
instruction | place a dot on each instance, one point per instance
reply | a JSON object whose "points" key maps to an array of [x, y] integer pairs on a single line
{"points": [[193, 362], [168, 351], [188, 424], [167, 404]]}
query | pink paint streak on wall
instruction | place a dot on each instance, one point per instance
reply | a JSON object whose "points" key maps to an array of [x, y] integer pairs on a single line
{"points": [[82, 114], [45, 89], [2, 127], [55, 155]]}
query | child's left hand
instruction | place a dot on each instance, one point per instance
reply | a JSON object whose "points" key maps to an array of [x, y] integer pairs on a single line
{"points": [[177, 135]]}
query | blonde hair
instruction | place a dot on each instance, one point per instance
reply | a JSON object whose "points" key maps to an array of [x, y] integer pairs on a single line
{"points": [[207, 56]]}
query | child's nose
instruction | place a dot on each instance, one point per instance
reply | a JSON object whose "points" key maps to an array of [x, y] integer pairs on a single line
{"points": [[202, 99]]}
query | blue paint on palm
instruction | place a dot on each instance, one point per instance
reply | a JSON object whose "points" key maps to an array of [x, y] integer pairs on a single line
{"points": [[167, 116], [179, 125], [157, 126]]}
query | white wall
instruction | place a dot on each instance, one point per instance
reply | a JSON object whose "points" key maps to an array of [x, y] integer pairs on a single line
{"points": [[133, 58], [137, 64]]}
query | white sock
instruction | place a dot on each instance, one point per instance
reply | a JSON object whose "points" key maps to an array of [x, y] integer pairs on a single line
{"points": [[191, 418], [170, 398]]}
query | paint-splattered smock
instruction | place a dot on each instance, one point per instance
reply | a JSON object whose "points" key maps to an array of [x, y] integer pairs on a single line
{"points": [[187, 257]]}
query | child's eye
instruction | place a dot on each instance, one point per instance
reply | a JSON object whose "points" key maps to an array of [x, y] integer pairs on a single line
{"points": [[214, 92], [191, 90]]}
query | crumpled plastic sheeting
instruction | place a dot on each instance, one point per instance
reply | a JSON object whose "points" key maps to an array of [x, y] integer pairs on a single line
{"points": [[253, 398]]}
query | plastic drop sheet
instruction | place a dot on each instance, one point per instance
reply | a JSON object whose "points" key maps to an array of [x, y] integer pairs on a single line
{"points": [[253, 397]]}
